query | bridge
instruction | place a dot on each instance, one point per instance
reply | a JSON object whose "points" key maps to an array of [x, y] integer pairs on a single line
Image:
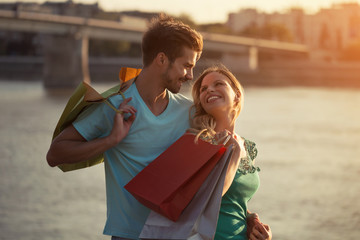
{"points": [[66, 45]]}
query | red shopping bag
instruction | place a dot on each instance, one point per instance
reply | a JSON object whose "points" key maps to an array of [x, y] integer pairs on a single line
{"points": [[168, 184]]}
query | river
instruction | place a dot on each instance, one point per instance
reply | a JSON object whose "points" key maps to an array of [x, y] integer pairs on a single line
{"points": [[309, 154]]}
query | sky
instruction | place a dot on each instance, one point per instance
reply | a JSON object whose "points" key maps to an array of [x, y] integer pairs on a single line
{"points": [[206, 11]]}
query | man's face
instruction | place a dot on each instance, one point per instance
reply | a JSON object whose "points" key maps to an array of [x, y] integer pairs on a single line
{"points": [[180, 71]]}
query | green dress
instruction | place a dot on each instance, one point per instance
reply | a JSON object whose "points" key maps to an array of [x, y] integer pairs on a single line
{"points": [[233, 210]]}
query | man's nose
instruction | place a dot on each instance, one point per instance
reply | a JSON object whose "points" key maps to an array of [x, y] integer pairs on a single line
{"points": [[189, 74]]}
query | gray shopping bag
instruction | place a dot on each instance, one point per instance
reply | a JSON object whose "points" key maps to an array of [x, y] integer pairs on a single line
{"points": [[199, 219]]}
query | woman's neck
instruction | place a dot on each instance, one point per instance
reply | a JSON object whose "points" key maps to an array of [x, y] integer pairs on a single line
{"points": [[224, 124]]}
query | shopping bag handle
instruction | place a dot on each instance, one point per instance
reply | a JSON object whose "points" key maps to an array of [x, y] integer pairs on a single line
{"points": [[125, 74], [226, 139]]}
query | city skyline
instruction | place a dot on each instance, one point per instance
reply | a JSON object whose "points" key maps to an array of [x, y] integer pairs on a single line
{"points": [[212, 13]]}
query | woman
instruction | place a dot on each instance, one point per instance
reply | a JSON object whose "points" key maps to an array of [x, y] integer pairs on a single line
{"points": [[218, 98]]}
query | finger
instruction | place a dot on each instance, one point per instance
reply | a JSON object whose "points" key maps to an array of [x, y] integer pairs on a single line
{"points": [[253, 216], [125, 102], [131, 119], [268, 231], [261, 228], [262, 231], [253, 236], [259, 235], [133, 109], [128, 109]]}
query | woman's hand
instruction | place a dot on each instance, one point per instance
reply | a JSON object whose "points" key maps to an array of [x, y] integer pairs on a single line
{"points": [[251, 220], [261, 232], [256, 230], [121, 125]]}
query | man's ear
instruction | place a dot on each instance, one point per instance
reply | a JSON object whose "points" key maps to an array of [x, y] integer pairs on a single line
{"points": [[161, 58]]}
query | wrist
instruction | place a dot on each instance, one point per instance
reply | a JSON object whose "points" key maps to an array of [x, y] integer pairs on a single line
{"points": [[111, 141]]}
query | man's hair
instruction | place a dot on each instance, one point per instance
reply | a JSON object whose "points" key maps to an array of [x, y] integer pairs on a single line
{"points": [[170, 37]]}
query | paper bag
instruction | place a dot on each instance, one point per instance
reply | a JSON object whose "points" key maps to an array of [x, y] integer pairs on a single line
{"points": [[84, 96], [199, 219], [169, 183]]}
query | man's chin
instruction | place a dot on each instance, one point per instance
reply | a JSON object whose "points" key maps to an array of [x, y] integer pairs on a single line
{"points": [[173, 90]]}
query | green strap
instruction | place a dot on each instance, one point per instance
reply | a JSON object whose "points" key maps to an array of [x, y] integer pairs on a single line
{"points": [[110, 105]]}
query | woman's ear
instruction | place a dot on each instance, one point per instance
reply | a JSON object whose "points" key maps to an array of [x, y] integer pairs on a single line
{"points": [[237, 97]]}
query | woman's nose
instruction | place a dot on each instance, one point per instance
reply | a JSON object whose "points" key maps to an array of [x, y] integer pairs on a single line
{"points": [[210, 89]]}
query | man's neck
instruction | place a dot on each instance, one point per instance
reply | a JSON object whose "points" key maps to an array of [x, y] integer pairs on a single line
{"points": [[152, 92]]}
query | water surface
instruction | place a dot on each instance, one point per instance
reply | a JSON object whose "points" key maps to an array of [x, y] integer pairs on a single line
{"points": [[309, 154]]}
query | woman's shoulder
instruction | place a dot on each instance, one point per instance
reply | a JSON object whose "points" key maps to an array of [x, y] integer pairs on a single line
{"points": [[250, 147], [246, 164]]}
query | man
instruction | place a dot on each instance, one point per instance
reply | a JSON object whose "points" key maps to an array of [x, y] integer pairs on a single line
{"points": [[153, 117]]}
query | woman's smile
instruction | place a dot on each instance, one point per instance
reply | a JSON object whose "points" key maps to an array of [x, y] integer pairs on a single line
{"points": [[212, 98]]}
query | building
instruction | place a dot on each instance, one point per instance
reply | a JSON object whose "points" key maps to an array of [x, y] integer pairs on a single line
{"points": [[329, 29]]}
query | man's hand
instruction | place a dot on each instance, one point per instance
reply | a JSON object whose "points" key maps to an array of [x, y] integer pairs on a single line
{"points": [[121, 125]]}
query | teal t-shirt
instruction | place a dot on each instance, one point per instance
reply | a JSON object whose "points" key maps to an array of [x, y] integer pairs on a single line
{"points": [[148, 137], [233, 210]]}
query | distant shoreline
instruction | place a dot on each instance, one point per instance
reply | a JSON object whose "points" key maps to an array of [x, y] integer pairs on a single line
{"points": [[271, 73]]}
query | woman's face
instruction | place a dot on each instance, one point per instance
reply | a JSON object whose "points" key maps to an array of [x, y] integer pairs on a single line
{"points": [[216, 94]]}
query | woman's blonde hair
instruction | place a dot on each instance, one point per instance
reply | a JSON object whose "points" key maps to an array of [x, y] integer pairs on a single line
{"points": [[202, 123]]}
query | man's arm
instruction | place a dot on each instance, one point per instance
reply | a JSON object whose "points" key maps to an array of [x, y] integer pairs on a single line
{"points": [[70, 147]]}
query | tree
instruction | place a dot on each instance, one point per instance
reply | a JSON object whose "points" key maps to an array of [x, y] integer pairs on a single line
{"points": [[271, 31], [219, 28], [185, 18]]}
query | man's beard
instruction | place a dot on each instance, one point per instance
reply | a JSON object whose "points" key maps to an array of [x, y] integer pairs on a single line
{"points": [[171, 84]]}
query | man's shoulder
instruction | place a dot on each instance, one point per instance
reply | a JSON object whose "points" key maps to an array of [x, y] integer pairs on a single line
{"points": [[130, 91], [181, 99]]}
